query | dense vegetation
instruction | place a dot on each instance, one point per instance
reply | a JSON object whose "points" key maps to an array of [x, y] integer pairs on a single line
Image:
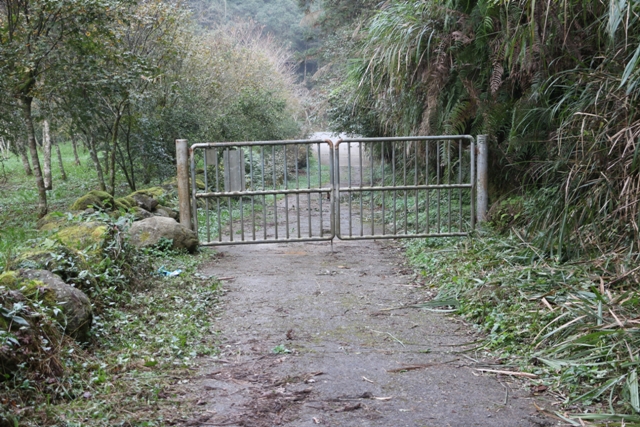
{"points": [[553, 84], [129, 78]]}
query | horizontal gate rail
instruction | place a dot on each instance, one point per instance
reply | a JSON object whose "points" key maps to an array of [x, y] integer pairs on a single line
{"points": [[387, 188], [262, 192]]}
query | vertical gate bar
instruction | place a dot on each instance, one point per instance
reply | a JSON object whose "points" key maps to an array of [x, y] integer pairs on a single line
{"points": [[275, 197], [242, 218], [460, 182], [194, 188], [335, 219], [426, 181], [449, 179], [230, 207], [404, 182], [297, 156], [481, 184], [349, 171], [393, 183], [383, 192], [438, 183], [472, 155], [415, 181], [319, 148], [219, 207], [373, 166], [286, 197], [253, 198], [206, 190], [308, 188], [265, 211], [360, 195]]}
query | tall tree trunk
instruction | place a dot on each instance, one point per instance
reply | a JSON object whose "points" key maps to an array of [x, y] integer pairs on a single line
{"points": [[63, 175], [114, 142], [74, 143], [22, 150], [46, 148], [93, 153], [25, 102]]}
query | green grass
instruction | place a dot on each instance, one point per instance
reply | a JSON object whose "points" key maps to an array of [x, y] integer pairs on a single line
{"points": [[19, 196], [570, 324]]}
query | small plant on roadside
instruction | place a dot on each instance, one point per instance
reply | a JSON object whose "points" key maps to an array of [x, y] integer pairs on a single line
{"points": [[280, 349]]}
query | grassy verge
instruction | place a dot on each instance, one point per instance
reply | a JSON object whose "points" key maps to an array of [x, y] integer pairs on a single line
{"points": [[148, 330], [574, 324]]}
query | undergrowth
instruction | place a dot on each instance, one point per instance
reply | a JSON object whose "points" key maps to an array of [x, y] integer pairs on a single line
{"points": [[147, 328], [572, 324]]}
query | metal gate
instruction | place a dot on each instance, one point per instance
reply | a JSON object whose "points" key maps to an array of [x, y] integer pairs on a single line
{"points": [[317, 190]]}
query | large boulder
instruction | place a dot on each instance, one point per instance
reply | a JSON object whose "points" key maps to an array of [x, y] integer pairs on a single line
{"points": [[148, 232], [76, 311]]}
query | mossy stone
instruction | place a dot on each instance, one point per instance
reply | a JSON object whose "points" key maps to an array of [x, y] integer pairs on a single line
{"points": [[95, 198], [8, 279], [125, 203], [52, 221], [157, 193], [85, 235]]}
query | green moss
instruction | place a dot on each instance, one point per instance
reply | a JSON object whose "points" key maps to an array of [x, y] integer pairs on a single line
{"points": [[58, 259], [37, 290], [52, 220], [157, 193], [125, 203], [8, 279], [95, 198], [85, 235]]}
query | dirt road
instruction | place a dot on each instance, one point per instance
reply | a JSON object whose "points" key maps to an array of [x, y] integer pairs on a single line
{"points": [[310, 338]]}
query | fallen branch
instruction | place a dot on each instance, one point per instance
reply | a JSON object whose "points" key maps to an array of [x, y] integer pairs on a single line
{"points": [[512, 373]]}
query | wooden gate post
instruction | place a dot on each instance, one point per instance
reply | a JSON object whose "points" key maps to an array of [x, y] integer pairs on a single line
{"points": [[482, 201], [184, 197]]}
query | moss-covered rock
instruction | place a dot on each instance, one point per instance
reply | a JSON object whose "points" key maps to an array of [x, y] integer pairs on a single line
{"points": [[84, 235], [76, 313], [59, 259], [160, 194], [125, 203], [9, 279], [97, 199], [52, 221]]}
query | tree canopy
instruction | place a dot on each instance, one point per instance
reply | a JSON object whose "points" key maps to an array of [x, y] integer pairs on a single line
{"points": [[131, 77]]}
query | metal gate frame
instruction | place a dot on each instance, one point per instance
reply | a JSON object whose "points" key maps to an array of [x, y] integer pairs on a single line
{"points": [[189, 197]]}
